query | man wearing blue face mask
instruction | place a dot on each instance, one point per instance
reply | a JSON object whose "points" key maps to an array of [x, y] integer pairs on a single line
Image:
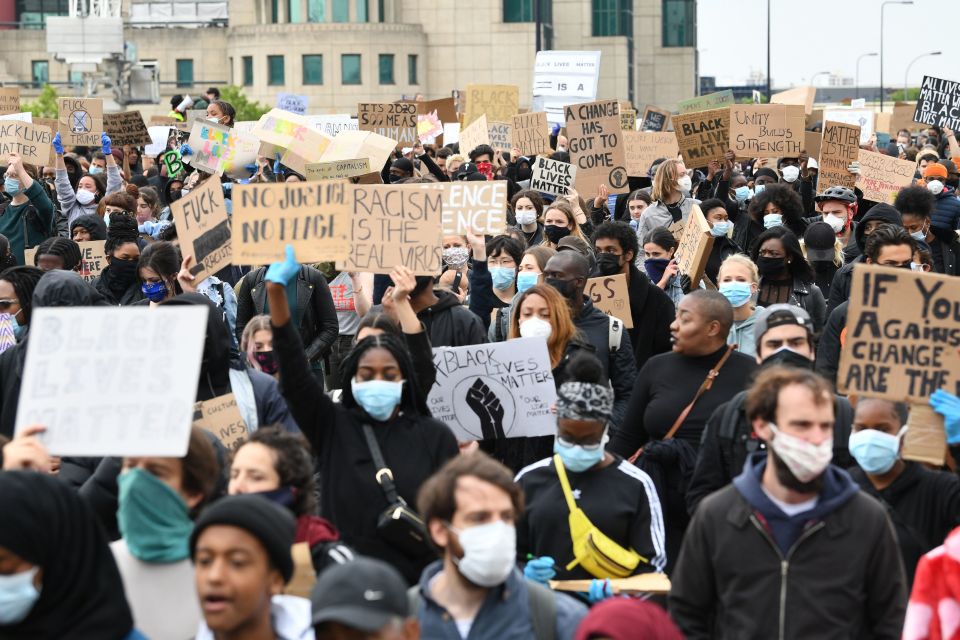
{"points": [[26, 219], [493, 274]]}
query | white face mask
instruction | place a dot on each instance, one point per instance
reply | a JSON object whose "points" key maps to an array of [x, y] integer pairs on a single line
{"points": [[489, 553], [805, 460], [528, 216], [685, 183], [85, 197], [935, 187], [561, 148], [836, 223], [535, 328], [790, 173]]}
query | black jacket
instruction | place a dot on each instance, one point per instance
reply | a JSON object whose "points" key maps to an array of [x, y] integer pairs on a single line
{"points": [[319, 327], [619, 365], [652, 312], [450, 324], [131, 294], [723, 248], [828, 349]]}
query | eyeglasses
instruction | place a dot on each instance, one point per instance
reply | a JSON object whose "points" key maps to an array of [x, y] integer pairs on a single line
{"points": [[6, 304]]}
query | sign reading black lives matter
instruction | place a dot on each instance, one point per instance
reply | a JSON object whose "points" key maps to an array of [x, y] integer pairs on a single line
{"points": [[552, 176], [493, 391], [939, 103]]}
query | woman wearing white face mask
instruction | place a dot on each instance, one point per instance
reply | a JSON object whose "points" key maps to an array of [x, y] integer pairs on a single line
{"points": [[90, 189], [671, 198], [527, 207]]}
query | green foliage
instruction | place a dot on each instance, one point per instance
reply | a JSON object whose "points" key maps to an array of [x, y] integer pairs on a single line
{"points": [[912, 95], [763, 100], [45, 106], [247, 110]]}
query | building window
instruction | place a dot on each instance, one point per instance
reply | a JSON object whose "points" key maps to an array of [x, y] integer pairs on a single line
{"points": [[350, 69], [75, 78], [412, 69], [363, 11], [341, 10], [611, 17], [41, 73], [518, 10], [381, 11], [294, 11], [247, 71], [313, 69], [275, 71], [679, 23], [386, 68], [316, 10], [274, 11], [184, 72], [33, 14]]}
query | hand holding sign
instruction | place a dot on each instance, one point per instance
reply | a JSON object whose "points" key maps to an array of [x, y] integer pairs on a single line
{"points": [[26, 452], [184, 277], [948, 405], [57, 144]]}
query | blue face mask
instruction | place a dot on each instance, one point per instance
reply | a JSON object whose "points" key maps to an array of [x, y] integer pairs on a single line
{"points": [[379, 398], [772, 220], [655, 268], [154, 520], [155, 291], [738, 293], [11, 186], [577, 459], [17, 596], [919, 236], [742, 193], [18, 329], [634, 224], [875, 451], [720, 229], [526, 279], [502, 277], [757, 190], [95, 170]]}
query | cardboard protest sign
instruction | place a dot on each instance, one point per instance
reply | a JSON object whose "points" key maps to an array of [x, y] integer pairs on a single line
{"points": [[884, 119], [338, 169], [162, 121], [304, 575], [393, 225], [926, 438], [654, 119], [221, 417], [293, 103], [628, 119], [495, 391], [481, 206], [643, 147], [311, 216], [279, 128], [610, 295], [93, 259], [429, 126], [126, 128], [9, 100], [901, 335], [563, 78], [798, 95], [811, 143], [81, 121], [31, 141], [902, 117], [764, 131], [939, 103], [394, 120], [209, 143], [242, 150], [189, 117], [496, 101], [703, 136], [305, 148], [446, 110], [840, 146], [52, 124], [882, 176], [203, 228], [552, 176], [596, 147], [474, 135], [530, 133], [350, 145], [104, 414], [863, 118], [696, 242], [333, 124], [500, 136], [703, 103]]}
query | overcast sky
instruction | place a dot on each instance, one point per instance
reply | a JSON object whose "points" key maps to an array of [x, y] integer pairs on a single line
{"points": [[809, 36]]}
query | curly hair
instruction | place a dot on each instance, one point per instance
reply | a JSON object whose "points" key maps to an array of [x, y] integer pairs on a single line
{"points": [[784, 197], [622, 233], [533, 196], [291, 461], [915, 201], [123, 229]]}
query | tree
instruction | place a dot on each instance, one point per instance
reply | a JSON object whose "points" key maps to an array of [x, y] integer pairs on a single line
{"points": [[45, 106], [912, 95], [247, 109]]}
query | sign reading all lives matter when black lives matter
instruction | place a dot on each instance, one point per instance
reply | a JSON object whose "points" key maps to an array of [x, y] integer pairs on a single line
{"points": [[596, 147], [552, 176], [939, 103], [494, 391], [204, 228]]}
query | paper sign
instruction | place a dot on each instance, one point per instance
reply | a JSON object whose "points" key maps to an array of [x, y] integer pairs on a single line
{"points": [[9, 100], [500, 136], [840, 147], [643, 147], [926, 438], [393, 225], [610, 295], [19, 117], [338, 169], [209, 143], [901, 336], [709, 101], [332, 125], [81, 121], [764, 131], [242, 150], [203, 228], [93, 259], [811, 143], [703, 136], [481, 206], [939, 103], [293, 103], [7, 337], [882, 176], [798, 95], [563, 78], [305, 148], [159, 137], [126, 128], [474, 135], [451, 132], [221, 416], [429, 127], [696, 242], [162, 121], [552, 176], [31, 141], [394, 120], [496, 101], [495, 391], [311, 216], [628, 119], [596, 147], [105, 414], [863, 118], [280, 128], [654, 119], [446, 110], [350, 145], [173, 163], [531, 134]]}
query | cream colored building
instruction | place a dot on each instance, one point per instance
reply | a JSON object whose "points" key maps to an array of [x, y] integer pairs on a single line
{"points": [[340, 52]]}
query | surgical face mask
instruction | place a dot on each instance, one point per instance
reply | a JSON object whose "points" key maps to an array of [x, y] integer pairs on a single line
{"points": [[154, 520], [85, 197], [935, 187], [502, 277], [790, 173], [17, 596], [527, 216], [489, 553], [836, 222], [772, 220], [738, 293], [875, 451], [11, 186], [720, 229], [561, 149], [18, 329], [608, 264], [214, 119], [805, 460], [154, 291], [535, 328], [578, 459], [456, 257], [919, 236], [95, 170], [757, 190], [685, 183], [379, 398], [526, 279], [742, 193]]}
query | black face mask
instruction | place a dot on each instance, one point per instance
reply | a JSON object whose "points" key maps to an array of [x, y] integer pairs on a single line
{"points": [[788, 358], [555, 234], [524, 173], [124, 271], [771, 266], [563, 287], [608, 264]]}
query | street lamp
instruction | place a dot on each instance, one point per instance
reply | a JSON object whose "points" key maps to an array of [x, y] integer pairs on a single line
{"points": [[906, 76], [813, 78], [882, 7], [865, 55]]}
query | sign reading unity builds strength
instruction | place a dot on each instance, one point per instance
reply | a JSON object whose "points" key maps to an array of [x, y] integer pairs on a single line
{"points": [[552, 176], [81, 121], [480, 206], [882, 176], [495, 391], [939, 103], [311, 216], [103, 414], [126, 128], [499, 102], [31, 141], [203, 228], [703, 136], [394, 225], [530, 133], [596, 147], [394, 120], [766, 130], [840, 146]]}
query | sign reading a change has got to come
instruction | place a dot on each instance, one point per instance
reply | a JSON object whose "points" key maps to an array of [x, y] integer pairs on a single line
{"points": [[596, 147]]}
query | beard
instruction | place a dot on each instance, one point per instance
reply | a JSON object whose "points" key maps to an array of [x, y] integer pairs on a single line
{"points": [[790, 481]]}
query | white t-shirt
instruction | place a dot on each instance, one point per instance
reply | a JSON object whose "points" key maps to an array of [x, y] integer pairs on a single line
{"points": [[789, 508]]}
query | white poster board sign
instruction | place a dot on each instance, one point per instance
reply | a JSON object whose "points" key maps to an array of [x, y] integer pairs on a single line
{"points": [[866, 119], [79, 380], [561, 78], [497, 390], [293, 103], [334, 124]]}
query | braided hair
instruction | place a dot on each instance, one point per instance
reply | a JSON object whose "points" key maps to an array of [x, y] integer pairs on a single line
{"points": [[64, 248], [412, 401], [123, 229], [23, 280]]}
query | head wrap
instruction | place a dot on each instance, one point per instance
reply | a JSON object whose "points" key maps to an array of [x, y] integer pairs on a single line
{"points": [[585, 401]]}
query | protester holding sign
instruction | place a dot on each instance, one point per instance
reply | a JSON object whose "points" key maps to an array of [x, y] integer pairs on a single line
{"points": [[84, 200], [118, 282], [672, 186], [785, 275], [221, 112], [660, 264], [27, 218]]}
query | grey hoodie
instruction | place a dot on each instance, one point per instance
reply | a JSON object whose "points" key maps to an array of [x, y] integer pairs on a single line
{"points": [[70, 208]]}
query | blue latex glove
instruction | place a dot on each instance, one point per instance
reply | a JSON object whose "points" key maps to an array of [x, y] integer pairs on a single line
{"points": [[185, 150], [283, 272], [555, 130], [251, 168], [540, 569], [276, 165], [57, 144], [105, 141], [599, 591], [948, 405]]}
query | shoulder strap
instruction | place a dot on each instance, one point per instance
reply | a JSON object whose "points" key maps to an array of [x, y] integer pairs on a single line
{"points": [[704, 387], [246, 398], [729, 416], [615, 333], [564, 483], [543, 611], [413, 600], [384, 475]]}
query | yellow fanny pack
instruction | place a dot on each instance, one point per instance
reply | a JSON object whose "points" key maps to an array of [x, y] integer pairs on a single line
{"points": [[600, 556]]}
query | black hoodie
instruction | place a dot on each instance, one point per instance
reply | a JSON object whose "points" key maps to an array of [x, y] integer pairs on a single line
{"points": [[450, 324]]}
